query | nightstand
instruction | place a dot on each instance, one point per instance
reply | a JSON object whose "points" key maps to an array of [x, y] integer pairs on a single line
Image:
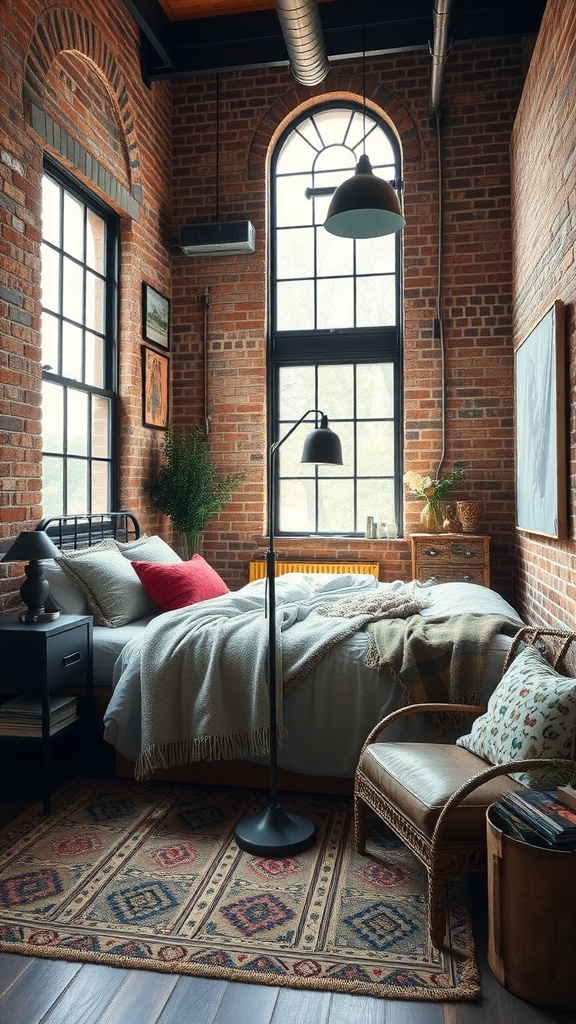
{"points": [[451, 557], [41, 658]]}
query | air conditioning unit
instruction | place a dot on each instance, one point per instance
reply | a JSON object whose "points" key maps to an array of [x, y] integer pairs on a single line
{"points": [[215, 239]]}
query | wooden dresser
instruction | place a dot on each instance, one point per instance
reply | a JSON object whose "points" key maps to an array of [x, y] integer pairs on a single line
{"points": [[451, 557]]}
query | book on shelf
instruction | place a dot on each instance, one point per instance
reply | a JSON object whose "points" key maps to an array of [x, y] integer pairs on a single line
{"points": [[541, 809], [22, 716]]}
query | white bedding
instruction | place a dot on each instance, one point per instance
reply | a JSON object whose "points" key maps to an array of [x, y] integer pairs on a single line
{"points": [[330, 712], [109, 643]]}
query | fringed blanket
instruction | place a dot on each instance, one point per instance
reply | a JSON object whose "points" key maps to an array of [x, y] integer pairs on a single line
{"points": [[203, 668], [436, 659]]}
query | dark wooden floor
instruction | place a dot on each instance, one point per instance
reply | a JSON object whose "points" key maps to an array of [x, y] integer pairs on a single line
{"points": [[56, 992]]}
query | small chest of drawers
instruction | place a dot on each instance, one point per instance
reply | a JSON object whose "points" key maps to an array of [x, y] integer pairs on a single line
{"points": [[451, 557]]}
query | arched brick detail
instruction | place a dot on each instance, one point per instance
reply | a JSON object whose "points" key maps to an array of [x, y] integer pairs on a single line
{"points": [[342, 87], [60, 29]]}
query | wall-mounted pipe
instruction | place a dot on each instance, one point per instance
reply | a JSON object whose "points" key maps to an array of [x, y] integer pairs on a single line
{"points": [[439, 52], [302, 31]]}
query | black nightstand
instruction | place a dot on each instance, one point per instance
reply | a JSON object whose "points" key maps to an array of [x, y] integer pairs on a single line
{"points": [[40, 658]]}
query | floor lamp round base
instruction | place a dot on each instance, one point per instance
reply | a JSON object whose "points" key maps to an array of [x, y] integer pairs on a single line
{"points": [[275, 833]]}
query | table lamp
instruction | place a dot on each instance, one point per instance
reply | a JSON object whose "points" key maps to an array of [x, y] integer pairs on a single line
{"points": [[31, 546]]}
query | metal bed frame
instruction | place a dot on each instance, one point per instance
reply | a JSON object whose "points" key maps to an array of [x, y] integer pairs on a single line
{"points": [[89, 528]]}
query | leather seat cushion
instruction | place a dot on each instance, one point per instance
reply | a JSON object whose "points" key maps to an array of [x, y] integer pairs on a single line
{"points": [[419, 778]]}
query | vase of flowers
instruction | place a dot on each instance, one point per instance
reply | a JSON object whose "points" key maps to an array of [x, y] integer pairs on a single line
{"points": [[433, 491]]}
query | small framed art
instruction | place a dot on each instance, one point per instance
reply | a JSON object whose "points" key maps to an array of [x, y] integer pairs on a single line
{"points": [[154, 388], [540, 400], [155, 317]]}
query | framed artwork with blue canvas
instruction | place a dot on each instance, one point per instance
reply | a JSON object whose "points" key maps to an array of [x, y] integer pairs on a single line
{"points": [[540, 402]]}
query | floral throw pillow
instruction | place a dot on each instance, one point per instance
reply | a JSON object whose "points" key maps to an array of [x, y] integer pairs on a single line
{"points": [[531, 713]]}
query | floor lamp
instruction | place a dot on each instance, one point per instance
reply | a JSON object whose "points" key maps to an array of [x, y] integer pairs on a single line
{"points": [[275, 832]]}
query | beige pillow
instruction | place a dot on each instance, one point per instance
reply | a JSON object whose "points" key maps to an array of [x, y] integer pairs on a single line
{"points": [[148, 549], [113, 591]]}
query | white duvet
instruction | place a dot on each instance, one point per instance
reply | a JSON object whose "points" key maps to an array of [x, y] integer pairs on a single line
{"points": [[330, 712]]}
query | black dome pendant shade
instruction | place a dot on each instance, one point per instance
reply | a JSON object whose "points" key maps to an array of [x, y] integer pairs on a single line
{"points": [[364, 206]]}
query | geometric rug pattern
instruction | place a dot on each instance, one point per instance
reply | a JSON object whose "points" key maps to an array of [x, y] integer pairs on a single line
{"points": [[148, 875]]}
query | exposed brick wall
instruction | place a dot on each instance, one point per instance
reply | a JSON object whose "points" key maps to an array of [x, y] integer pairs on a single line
{"points": [[155, 151], [481, 94], [70, 86], [544, 185]]}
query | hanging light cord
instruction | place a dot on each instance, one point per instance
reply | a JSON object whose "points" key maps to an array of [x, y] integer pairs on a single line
{"points": [[364, 76], [217, 148], [439, 329]]}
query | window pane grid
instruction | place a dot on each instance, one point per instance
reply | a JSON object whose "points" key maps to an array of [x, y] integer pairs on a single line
{"points": [[335, 314], [78, 336]]}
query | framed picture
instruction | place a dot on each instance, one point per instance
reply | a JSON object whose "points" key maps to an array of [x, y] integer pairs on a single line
{"points": [[154, 388], [539, 366], [155, 317]]}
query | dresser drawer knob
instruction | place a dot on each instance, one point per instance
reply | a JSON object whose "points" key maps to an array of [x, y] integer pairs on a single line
{"points": [[432, 552], [468, 554], [466, 577], [71, 659]]}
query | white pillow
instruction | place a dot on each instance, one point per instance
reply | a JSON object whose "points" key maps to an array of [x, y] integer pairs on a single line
{"points": [[531, 713], [113, 591], [64, 595], [148, 549]]}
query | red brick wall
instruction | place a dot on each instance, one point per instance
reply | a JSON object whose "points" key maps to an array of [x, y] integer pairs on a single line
{"points": [[544, 186], [170, 171], [100, 101], [481, 95]]}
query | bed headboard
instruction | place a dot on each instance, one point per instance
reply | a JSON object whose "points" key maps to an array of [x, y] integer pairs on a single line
{"points": [[80, 531]]}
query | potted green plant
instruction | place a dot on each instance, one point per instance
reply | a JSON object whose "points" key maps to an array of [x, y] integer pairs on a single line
{"points": [[187, 487]]}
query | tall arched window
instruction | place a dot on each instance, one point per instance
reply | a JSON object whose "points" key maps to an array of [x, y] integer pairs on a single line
{"points": [[335, 340]]}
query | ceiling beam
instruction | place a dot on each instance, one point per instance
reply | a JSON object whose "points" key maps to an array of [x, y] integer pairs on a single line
{"points": [[254, 39]]}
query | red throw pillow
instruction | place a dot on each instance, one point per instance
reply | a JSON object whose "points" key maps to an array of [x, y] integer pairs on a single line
{"points": [[181, 583]]}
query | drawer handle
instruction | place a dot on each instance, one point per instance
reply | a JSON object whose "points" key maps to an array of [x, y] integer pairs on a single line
{"points": [[468, 554], [432, 552], [466, 577], [71, 659]]}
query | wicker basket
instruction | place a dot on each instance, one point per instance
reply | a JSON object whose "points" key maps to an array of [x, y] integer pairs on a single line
{"points": [[469, 513]]}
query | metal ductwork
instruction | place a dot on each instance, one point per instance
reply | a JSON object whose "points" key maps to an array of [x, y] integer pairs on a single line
{"points": [[439, 51], [302, 31]]}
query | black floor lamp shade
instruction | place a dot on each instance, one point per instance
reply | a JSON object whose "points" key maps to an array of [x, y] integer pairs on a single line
{"points": [[276, 832]]}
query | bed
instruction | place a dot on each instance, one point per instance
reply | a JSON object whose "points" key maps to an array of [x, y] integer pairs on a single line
{"points": [[329, 703]]}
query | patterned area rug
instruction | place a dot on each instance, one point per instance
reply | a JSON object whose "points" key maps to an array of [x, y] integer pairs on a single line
{"points": [[149, 876]]}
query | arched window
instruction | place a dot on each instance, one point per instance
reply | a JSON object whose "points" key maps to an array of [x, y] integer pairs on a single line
{"points": [[335, 340]]}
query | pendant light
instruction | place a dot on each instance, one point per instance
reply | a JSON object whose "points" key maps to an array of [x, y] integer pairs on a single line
{"points": [[364, 206]]}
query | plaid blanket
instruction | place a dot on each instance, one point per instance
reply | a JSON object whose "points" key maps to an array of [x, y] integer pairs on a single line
{"points": [[439, 659]]}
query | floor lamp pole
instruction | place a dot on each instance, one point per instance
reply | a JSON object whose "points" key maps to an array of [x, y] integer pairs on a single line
{"points": [[276, 832]]}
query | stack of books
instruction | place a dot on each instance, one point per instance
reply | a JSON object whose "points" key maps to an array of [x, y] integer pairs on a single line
{"points": [[22, 716], [542, 813]]}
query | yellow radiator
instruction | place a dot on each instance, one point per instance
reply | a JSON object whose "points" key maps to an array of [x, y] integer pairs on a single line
{"points": [[258, 568]]}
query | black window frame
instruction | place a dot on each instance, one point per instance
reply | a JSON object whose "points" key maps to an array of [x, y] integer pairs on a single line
{"points": [[355, 345], [79, 191]]}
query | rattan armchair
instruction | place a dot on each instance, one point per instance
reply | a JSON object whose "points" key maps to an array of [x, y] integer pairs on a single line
{"points": [[434, 796]]}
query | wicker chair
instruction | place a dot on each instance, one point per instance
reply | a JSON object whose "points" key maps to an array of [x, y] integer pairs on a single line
{"points": [[434, 796]]}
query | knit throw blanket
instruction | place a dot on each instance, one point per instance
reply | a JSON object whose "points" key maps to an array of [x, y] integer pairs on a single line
{"points": [[204, 668], [440, 659]]}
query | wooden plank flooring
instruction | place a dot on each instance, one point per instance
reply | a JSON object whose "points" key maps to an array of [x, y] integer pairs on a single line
{"points": [[38, 991]]}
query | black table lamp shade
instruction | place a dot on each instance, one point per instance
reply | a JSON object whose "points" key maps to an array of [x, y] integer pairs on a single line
{"points": [[32, 546], [276, 832]]}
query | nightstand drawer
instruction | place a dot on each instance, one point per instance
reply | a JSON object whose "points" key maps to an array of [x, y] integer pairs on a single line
{"points": [[451, 574], [456, 551], [68, 655]]}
